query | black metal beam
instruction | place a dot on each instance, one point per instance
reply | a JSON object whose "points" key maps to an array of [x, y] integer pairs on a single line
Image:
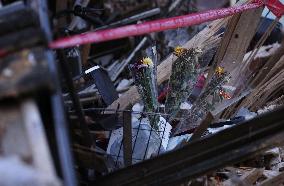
{"points": [[87, 137], [61, 128], [201, 156]]}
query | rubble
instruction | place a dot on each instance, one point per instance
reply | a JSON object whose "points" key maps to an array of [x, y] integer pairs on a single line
{"points": [[156, 92]]}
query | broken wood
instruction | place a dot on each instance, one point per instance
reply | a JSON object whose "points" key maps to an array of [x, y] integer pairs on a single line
{"points": [[248, 178], [202, 127], [262, 75], [277, 180], [239, 32], [22, 136]]}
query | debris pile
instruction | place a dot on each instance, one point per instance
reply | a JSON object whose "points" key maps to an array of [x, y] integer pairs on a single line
{"points": [[164, 105]]}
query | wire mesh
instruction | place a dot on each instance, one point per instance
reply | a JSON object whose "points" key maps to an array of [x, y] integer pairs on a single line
{"points": [[146, 142]]}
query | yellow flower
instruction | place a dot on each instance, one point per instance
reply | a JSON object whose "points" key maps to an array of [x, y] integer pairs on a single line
{"points": [[179, 51], [220, 70], [147, 61]]}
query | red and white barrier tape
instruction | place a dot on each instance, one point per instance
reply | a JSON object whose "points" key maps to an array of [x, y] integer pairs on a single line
{"points": [[275, 6], [151, 26]]}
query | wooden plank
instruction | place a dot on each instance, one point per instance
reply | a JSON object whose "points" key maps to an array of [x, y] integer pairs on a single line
{"points": [[278, 101], [202, 127], [277, 180], [85, 54], [60, 6], [252, 68], [89, 159], [36, 138], [23, 136], [268, 66], [259, 97], [264, 92], [239, 32], [270, 173], [248, 178], [275, 69], [127, 139], [13, 138]]}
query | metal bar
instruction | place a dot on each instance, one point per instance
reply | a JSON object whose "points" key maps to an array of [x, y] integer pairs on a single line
{"points": [[127, 139], [40, 6], [136, 17], [87, 138], [226, 147], [61, 128], [151, 26]]}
